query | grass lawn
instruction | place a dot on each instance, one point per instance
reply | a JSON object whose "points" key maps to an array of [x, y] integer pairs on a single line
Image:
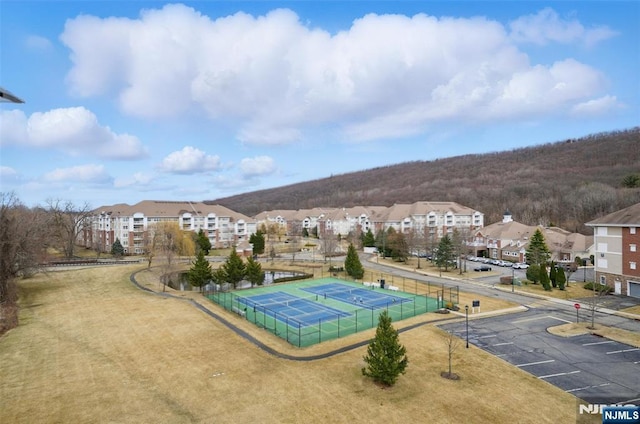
{"points": [[92, 348]]}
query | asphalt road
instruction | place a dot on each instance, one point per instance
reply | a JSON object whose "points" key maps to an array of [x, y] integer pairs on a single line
{"points": [[592, 368]]}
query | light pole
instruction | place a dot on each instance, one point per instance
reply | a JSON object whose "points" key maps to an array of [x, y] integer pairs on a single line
{"points": [[466, 313], [513, 281], [584, 269]]}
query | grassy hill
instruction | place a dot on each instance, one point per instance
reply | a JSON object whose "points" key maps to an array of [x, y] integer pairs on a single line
{"points": [[564, 183]]}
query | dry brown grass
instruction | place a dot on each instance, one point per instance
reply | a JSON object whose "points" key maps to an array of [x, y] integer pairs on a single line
{"points": [[617, 334], [92, 348]]}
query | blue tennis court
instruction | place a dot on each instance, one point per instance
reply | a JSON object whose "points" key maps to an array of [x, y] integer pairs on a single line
{"points": [[361, 297], [291, 309]]}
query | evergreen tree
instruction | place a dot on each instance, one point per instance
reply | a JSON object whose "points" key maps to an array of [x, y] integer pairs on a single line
{"points": [[544, 278], [368, 239], [561, 278], [537, 252], [352, 263], [533, 273], [254, 272], [386, 358], [445, 253], [305, 232], [202, 242], [116, 249], [200, 272], [257, 240], [233, 268], [553, 271]]}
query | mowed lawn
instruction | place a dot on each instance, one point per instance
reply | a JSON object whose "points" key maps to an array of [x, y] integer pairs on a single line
{"points": [[93, 348]]}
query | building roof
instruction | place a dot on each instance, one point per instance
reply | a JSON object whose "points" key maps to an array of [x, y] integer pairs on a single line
{"points": [[627, 217], [162, 208]]}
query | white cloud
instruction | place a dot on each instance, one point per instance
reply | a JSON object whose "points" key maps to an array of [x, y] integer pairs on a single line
{"points": [[257, 166], [596, 107], [385, 76], [547, 26], [36, 42], [90, 173], [8, 173], [190, 160], [138, 179], [75, 131]]}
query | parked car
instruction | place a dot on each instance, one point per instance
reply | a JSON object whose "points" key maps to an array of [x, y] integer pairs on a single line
{"points": [[482, 268], [520, 265]]}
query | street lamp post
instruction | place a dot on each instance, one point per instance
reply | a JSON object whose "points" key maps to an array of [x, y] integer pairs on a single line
{"points": [[466, 313], [513, 279], [584, 269]]}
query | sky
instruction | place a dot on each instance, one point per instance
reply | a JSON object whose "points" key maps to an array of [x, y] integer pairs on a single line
{"points": [[142, 100]]}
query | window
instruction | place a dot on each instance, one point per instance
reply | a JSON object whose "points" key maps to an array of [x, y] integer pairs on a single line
{"points": [[632, 247], [632, 230], [603, 280], [632, 265]]}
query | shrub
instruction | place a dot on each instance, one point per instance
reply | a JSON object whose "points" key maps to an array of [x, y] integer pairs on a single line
{"points": [[600, 288]]}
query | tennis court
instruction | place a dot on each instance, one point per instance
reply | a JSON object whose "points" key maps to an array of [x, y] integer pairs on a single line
{"points": [[312, 311]]}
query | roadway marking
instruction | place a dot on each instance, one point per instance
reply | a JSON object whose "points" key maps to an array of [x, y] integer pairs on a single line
{"points": [[587, 387], [559, 374], [536, 363], [598, 343], [486, 337], [622, 351], [502, 344], [541, 317]]}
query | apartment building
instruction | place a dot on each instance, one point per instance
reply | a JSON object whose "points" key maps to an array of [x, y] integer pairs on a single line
{"points": [[131, 224], [435, 218], [508, 240], [617, 250]]}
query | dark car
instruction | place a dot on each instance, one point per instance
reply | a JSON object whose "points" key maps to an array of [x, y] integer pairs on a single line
{"points": [[482, 268]]}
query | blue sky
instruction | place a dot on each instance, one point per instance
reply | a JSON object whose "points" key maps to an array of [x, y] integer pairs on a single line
{"points": [[133, 100]]}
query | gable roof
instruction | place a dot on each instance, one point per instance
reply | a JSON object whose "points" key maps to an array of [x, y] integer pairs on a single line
{"points": [[627, 217]]}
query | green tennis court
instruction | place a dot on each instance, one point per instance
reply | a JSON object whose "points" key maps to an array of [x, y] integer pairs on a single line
{"points": [[310, 312]]}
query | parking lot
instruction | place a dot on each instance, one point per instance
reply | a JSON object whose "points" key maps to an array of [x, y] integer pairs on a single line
{"points": [[592, 368]]}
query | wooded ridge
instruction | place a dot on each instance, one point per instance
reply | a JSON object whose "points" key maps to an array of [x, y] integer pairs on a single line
{"points": [[565, 183]]}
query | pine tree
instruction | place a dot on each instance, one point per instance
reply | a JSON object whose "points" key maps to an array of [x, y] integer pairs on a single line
{"points": [[233, 268], [386, 358], [445, 253], [116, 249], [254, 272], [561, 278], [202, 242], [352, 263], [544, 278], [200, 272], [257, 240], [368, 239], [553, 275], [537, 252]]}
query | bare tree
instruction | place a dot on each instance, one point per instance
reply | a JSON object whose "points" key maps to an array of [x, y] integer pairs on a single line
{"points": [[453, 343], [23, 242], [68, 221], [295, 234], [166, 240], [328, 244]]}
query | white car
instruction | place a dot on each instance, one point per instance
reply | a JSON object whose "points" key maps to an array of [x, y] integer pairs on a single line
{"points": [[520, 265]]}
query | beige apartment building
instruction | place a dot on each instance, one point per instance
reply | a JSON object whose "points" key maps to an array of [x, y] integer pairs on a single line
{"points": [[131, 223]]}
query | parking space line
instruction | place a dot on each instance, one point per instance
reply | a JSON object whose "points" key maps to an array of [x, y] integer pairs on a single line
{"points": [[559, 374], [502, 344], [527, 319], [559, 319], [487, 337], [622, 351], [587, 387], [598, 343], [536, 363]]}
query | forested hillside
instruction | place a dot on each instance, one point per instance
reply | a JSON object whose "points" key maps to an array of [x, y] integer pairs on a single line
{"points": [[565, 183]]}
